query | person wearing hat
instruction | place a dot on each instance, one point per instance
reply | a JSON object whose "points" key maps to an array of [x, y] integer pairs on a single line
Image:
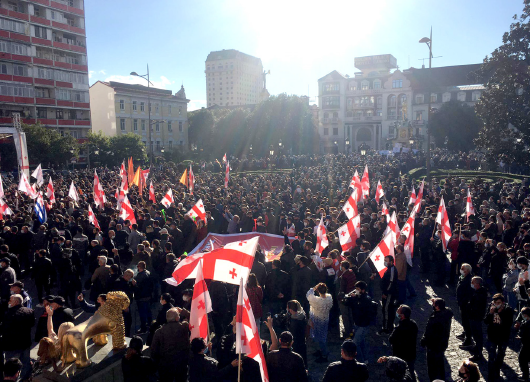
{"points": [[134, 365], [7, 277], [284, 364], [396, 369], [41, 328], [18, 288], [347, 369], [60, 313]]}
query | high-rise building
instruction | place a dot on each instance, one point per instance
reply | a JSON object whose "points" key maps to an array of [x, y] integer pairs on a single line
{"points": [[43, 65], [233, 78], [119, 108]]}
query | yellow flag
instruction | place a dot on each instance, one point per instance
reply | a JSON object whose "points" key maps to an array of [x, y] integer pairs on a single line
{"points": [[136, 178], [184, 178]]}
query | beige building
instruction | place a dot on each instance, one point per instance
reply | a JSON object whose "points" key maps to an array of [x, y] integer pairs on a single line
{"points": [[233, 78], [118, 108]]}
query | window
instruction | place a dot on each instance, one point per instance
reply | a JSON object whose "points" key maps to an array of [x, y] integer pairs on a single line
{"points": [[397, 84], [134, 106], [326, 131], [12, 6], [419, 99], [379, 112], [62, 94], [434, 97], [156, 108], [365, 85], [142, 106], [331, 102], [157, 145], [379, 101], [169, 109], [143, 124], [42, 93], [180, 110], [122, 104], [170, 145], [59, 114], [13, 26], [40, 32], [135, 125], [475, 96], [20, 70], [335, 131], [169, 127], [446, 97], [3, 68], [46, 74], [462, 96], [392, 101], [377, 84], [122, 124], [331, 88], [42, 113], [36, 11], [157, 126], [181, 143], [419, 116], [72, 114], [180, 127]]}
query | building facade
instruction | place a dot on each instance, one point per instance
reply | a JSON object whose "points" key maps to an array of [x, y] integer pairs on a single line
{"points": [[119, 108], [43, 65], [377, 108], [233, 78]]}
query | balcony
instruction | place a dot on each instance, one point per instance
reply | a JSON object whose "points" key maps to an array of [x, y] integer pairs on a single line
{"points": [[64, 5], [14, 36], [364, 92], [14, 14]]}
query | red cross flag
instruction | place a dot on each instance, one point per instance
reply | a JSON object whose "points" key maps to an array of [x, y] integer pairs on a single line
{"points": [[201, 305], [383, 249], [126, 211], [227, 173], [322, 238], [25, 187], [191, 183], [408, 232], [247, 333], [350, 207], [224, 158], [349, 232], [99, 194], [412, 197], [385, 211], [379, 193], [417, 204], [197, 211], [72, 192], [123, 175], [226, 264], [120, 196], [92, 218], [1, 187], [152, 196], [50, 192], [365, 183], [167, 200], [470, 210], [393, 227], [4, 209], [443, 220], [355, 181]]}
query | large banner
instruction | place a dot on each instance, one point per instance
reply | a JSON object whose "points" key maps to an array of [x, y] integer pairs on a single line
{"points": [[271, 245]]}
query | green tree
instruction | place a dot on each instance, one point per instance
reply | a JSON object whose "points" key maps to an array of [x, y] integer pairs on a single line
{"points": [[127, 145], [48, 146], [458, 122], [504, 105], [200, 127], [100, 150]]}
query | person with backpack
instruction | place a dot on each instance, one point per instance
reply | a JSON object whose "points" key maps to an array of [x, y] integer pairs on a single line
{"points": [[364, 311]]}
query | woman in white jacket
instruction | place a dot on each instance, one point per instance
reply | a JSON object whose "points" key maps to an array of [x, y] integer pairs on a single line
{"points": [[319, 318]]}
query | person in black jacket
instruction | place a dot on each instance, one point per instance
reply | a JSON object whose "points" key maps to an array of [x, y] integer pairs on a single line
{"points": [[347, 369], [389, 290], [477, 310], [276, 287], [60, 313], [284, 364], [167, 303], [143, 285], [135, 366], [302, 282], [203, 368], [42, 272], [297, 322], [436, 338], [404, 337], [524, 353], [499, 319], [463, 295]]}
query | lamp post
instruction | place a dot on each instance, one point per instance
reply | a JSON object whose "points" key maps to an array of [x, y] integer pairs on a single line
{"points": [[363, 150], [146, 77], [428, 41], [271, 150], [411, 141], [347, 146]]}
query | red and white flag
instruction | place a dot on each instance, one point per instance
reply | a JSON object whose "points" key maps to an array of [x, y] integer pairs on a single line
{"points": [[1, 187], [412, 197], [126, 211], [201, 305], [383, 249], [365, 183], [322, 237], [379, 193], [99, 194], [355, 181], [50, 192], [120, 196], [72, 192], [167, 200], [226, 264], [191, 182], [443, 220], [227, 173], [408, 232], [385, 211], [247, 333], [152, 196], [392, 227], [4, 209], [92, 218], [470, 210], [419, 197], [25, 187], [350, 232], [350, 207], [37, 174], [197, 211], [224, 158]]}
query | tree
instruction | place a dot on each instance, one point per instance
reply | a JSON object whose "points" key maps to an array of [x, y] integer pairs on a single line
{"points": [[127, 145], [458, 122], [504, 105], [200, 126], [46, 145], [100, 144]]}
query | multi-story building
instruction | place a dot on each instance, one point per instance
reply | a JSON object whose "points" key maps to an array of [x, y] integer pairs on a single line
{"points": [[375, 107], [43, 64], [233, 78], [119, 108]]}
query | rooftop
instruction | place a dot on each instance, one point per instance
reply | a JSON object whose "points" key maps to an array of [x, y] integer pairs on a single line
{"points": [[458, 75], [227, 54]]}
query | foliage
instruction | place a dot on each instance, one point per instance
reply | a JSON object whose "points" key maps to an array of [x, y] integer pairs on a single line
{"points": [[48, 146], [458, 122], [504, 105], [128, 145]]}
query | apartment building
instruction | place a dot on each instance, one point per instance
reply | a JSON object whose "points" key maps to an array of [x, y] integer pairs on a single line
{"points": [[233, 78], [43, 65], [119, 108]]}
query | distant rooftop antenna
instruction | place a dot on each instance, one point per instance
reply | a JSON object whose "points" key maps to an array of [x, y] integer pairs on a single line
{"points": [[426, 58]]}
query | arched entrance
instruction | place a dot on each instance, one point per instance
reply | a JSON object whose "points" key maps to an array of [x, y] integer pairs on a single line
{"points": [[364, 135]]}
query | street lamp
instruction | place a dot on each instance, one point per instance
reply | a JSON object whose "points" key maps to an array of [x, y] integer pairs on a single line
{"points": [[271, 150], [347, 146], [146, 77], [411, 141], [162, 150], [428, 41], [363, 151]]}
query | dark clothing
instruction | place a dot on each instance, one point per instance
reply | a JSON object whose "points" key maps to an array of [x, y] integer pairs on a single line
{"points": [[286, 365], [206, 369], [351, 371], [403, 340], [277, 282], [361, 309], [16, 328], [524, 353], [499, 325], [438, 330], [143, 290], [464, 291], [137, 368], [60, 315], [170, 350], [478, 304], [259, 270], [297, 326]]}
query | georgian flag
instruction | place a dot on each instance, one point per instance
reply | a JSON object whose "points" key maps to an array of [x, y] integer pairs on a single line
{"points": [[365, 183], [356, 185], [37, 174], [126, 211], [417, 205], [167, 200], [412, 197], [392, 227], [1, 187], [99, 195], [4, 209], [383, 249], [201, 305], [470, 210], [322, 238], [350, 207], [408, 232], [72, 192], [379, 193], [226, 264], [224, 158], [247, 333], [191, 182], [152, 196], [50, 192], [120, 196], [25, 187], [40, 210], [227, 173], [92, 218], [349, 232], [197, 211], [386, 212], [443, 220]]}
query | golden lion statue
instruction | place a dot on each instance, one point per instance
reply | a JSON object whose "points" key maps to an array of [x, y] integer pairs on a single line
{"points": [[108, 319]]}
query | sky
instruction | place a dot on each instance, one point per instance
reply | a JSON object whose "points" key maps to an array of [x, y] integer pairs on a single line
{"points": [[299, 41]]}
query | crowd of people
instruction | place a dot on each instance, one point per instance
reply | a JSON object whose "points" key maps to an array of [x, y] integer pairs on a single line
{"points": [[71, 265]]}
